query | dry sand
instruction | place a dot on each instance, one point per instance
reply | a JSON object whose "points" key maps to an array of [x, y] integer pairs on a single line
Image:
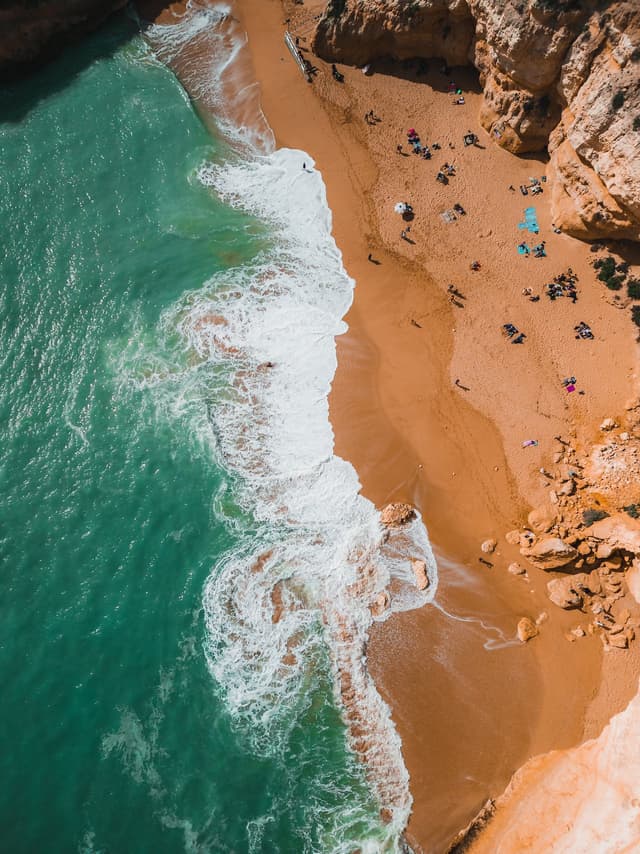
{"points": [[470, 709]]}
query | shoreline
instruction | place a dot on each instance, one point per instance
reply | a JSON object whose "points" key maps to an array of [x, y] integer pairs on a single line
{"points": [[399, 419]]}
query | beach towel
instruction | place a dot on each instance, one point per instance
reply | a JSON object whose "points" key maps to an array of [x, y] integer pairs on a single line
{"points": [[530, 221], [448, 216], [523, 250]]}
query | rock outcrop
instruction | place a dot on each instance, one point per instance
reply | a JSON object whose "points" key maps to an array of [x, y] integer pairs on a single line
{"points": [[550, 553], [526, 630], [577, 800], [560, 74], [567, 592], [396, 515], [33, 32]]}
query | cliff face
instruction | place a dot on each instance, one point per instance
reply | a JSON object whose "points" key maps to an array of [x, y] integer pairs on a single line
{"points": [[31, 32], [562, 74], [579, 800]]}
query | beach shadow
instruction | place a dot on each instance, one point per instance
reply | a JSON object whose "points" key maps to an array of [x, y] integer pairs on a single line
{"points": [[627, 250], [429, 72], [28, 83], [409, 240]]}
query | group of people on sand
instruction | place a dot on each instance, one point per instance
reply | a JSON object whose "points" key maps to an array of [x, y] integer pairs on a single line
{"points": [[563, 285], [583, 330], [512, 332], [539, 251], [413, 139]]}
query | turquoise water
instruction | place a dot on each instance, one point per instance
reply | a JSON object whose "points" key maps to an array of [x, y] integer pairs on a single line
{"points": [[114, 735]]}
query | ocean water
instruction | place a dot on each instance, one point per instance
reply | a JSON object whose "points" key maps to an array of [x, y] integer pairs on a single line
{"points": [[187, 569]]}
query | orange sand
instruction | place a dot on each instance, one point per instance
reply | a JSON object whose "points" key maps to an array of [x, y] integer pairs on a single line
{"points": [[468, 716]]}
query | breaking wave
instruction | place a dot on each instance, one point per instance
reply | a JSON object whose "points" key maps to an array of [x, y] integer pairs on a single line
{"points": [[315, 566]]}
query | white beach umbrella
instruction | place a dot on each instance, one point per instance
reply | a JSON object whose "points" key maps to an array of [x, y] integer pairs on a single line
{"points": [[400, 208]]}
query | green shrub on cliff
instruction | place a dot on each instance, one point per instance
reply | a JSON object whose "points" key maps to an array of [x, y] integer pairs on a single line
{"points": [[609, 273], [633, 288]]}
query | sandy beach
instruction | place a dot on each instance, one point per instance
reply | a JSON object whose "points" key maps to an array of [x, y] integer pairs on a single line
{"points": [[431, 403]]}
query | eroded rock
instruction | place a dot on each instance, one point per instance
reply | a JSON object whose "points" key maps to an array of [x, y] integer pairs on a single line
{"points": [[397, 514], [550, 553], [540, 520], [565, 592], [526, 629], [516, 569], [419, 568], [488, 546]]}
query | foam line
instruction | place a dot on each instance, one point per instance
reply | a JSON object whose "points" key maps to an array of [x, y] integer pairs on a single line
{"points": [[302, 582]]}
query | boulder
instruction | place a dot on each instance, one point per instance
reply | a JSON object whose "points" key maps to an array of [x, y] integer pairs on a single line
{"points": [[513, 538], [608, 424], [396, 515], [594, 583], [603, 551], [618, 641], [527, 539], [516, 569], [618, 532], [526, 629], [540, 520], [489, 546], [565, 592], [419, 568], [550, 553]]}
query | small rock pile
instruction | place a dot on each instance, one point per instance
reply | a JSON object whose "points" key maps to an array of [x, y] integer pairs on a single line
{"points": [[593, 561], [588, 535]]}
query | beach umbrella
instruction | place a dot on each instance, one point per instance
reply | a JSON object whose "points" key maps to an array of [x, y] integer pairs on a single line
{"points": [[400, 208]]}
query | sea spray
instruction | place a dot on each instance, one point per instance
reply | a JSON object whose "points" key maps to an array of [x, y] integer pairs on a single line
{"points": [[207, 49], [327, 558], [115, 510], [308, 578]]}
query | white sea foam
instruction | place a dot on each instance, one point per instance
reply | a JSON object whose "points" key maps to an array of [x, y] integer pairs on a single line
{"points": [[273, 610], [207, 48], [325, 551]]}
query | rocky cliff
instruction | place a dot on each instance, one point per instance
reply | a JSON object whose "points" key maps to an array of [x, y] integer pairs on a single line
{"points": [[34, 30], [562, 75]]}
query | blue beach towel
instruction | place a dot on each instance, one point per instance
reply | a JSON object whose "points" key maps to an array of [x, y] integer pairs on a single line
{"points": [[523, 250], [530, 221]]}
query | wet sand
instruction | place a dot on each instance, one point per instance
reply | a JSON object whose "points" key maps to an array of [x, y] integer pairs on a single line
{"points": [[470, 702]]}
